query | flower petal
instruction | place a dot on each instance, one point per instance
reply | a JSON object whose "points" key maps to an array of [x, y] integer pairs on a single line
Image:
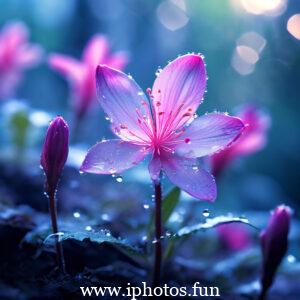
{"points": [[155, 167], [190, 177], [209, 134], [125, 104], [118, 60], [96, 51], [67, 66], [177, 92], [113, 156]]}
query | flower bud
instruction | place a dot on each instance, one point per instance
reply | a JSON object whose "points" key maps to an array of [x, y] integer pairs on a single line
{"points": [[274, 243], [55, 152]]}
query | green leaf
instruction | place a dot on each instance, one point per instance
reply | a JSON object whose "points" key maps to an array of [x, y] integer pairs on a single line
{"points": [[210, 223], [99, 238], [19, 127], [169, 204]]}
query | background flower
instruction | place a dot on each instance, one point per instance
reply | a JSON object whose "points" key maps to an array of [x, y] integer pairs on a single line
{"points": [[81, 73], [16, 55]]}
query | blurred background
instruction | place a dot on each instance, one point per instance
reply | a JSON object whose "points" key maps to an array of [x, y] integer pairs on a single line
{"points": [[251, 48]]}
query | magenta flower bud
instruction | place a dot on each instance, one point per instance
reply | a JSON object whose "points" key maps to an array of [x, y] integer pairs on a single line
{"points": [[55, 152], [274, 244]]}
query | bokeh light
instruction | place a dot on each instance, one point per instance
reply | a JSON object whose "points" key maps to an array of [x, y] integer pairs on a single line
{"points": [[264, 7], [293, 26], [172, 14]]}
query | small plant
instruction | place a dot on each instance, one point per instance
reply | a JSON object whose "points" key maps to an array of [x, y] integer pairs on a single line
{"points": [[274, 244], [53, 159], [157, 127], [81, 73]]}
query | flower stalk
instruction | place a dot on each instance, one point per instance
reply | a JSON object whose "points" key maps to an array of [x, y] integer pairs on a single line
{"points": [[54, 156], [58, 246], [158, 235]]}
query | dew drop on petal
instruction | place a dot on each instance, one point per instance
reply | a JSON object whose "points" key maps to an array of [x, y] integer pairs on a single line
{"points": [[206, 213], [88, 228], [144, 238], [146, 206]]}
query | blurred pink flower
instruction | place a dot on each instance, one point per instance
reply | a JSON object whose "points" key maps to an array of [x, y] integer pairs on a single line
{"points": [[252, 140], [157, 126], [16, 55], [81, 73], [234, 236]]}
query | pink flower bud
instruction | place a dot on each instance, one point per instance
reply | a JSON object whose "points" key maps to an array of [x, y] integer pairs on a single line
{"points": [[274, 243], [55, 152]]}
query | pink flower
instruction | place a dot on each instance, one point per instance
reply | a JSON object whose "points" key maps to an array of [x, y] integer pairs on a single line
{"points": [[16, 55], [81, 73], [159, 126], [234, 236], [252, 140]]}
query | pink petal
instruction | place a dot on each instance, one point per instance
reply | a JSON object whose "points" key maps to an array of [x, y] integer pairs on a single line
{"points": [[190, 177], [29, 56], [254, 137], [96, 51], [67, 66], [125, 104], [155, 167], [177, 92], [14, 34], [209, 134], [235, 236], [113, 156], [118, 60]]}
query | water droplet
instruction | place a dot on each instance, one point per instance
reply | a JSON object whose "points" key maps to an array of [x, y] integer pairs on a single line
{"points": [[119, 178], [105, 217], [168, 234], [291, 258], [195, 168], [76, 214], [88, 228], [144, 238], [146, 206], [206, 213], [140, 93], [195, 116], [154, 241], [107, 118], [108, 234], [80, 172]]}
